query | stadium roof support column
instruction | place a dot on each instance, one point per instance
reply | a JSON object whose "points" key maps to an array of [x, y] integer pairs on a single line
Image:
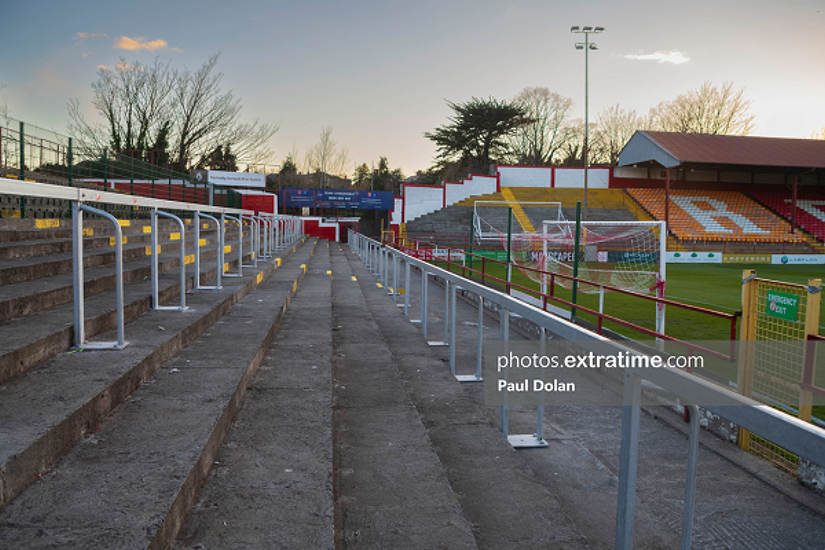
{"points": [[793, 206], [667, 197]]}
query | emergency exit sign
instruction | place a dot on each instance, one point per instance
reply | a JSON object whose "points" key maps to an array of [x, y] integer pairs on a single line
{"points": [[781, 305]]}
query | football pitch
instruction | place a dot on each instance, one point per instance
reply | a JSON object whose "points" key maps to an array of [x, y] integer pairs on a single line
{"points": [[712, 286]]}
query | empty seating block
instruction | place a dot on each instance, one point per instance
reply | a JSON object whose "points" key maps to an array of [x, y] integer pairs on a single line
{"points": [[716, 216]]}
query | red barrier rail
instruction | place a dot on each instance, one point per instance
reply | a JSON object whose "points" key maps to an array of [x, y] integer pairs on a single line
{"points": [[428, 252]]}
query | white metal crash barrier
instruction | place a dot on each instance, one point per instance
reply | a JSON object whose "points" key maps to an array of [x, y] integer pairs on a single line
{"points": [[799, 437], [81, 201]]}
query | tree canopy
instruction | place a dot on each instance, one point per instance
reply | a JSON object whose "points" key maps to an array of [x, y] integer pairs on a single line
{"points": [[475, 135], [147, 109]]}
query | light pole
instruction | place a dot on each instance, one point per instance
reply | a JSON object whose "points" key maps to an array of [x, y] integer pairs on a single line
{"points": [[586, 46]]}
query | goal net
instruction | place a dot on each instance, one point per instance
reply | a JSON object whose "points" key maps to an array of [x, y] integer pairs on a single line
{"points": [[626, 255]]}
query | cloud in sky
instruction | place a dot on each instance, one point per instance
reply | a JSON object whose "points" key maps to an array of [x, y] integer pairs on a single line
{"points": [[84, 35], [676, 58], [137, 44]]}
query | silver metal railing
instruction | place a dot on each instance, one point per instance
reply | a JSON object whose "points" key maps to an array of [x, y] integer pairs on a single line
{"points": [[81, 201], [801, 438]]}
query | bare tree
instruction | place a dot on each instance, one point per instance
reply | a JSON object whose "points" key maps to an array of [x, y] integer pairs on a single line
{"points": [[133, 100], [613, 127], [572, 150], [540, 142], [139, 104], [705, 110], [325, 158]]}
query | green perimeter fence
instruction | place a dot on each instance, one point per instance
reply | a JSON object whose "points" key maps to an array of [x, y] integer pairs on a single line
{"points": [[31, 153]]}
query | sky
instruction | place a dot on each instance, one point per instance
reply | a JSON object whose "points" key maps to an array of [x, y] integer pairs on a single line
{"points": [[380, 73]]}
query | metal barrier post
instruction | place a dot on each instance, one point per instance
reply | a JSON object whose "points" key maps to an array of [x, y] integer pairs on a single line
{"points": [[407, 289], [240, 246], [78, 280], [77, 274], [504, 335], [155, 269], [690, 482], [453, 289], [197, 251], [629, 460], [253, 239], [395, 278], [479, 347]]}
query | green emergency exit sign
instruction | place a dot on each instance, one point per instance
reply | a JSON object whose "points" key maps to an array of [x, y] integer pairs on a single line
{"points": [[781, 305]]}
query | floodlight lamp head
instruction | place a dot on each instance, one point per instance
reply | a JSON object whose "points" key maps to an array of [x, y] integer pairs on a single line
{"points": [[593, 46], [580, 46], [574, 29], [587, 29], [598, 29]]}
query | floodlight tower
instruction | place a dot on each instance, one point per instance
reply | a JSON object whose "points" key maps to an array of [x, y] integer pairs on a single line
{"points": [[587, 45]]}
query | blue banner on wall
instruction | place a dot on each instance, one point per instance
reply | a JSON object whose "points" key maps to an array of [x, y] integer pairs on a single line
{"points": [[336, 198]]}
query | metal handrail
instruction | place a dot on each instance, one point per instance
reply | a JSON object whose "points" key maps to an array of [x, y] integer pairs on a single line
{"points": [[155, 271], [219, 239], [79, 309], [240, 246], [799, 437]]}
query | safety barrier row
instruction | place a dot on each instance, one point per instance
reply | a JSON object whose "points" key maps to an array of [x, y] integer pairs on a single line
{"points": [[270, 233], [797, 436]]}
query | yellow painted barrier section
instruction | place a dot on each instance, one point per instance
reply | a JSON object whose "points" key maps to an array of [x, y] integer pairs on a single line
{"points": [[125, 223], [113, 241], [202, 242], [260, 277], [278, 262], [8, 213], [295, 285], [147, 228], [225, 267], [89, 232], [174, 236], [304, 267], [227, 249], [47, 224], [253, 254], [379, 285], [329, 272], [354, 278], [189, 259], [149, 251]]}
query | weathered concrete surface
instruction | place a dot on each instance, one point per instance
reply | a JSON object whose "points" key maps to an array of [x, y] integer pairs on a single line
{"points": [[390, 488], [499, 494], [28, 341], [271, 486], [741, 501], [133, 479]]}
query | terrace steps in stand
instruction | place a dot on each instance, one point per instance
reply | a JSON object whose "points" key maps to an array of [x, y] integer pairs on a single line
{"points": [[36, 315], [138, 427]]}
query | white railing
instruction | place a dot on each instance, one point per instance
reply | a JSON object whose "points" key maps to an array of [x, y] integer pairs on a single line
{"points": [[797, 436], [281, 232]]}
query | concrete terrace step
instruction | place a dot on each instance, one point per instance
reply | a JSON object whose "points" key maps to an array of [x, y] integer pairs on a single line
{"points": [[132, 479], [499, 494], [391, 490], [50, 283], [271, 486], [27, 266], [49, 330]]}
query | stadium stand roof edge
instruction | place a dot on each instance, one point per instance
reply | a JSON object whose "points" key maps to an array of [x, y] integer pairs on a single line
{"points": [[671, 149]]}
